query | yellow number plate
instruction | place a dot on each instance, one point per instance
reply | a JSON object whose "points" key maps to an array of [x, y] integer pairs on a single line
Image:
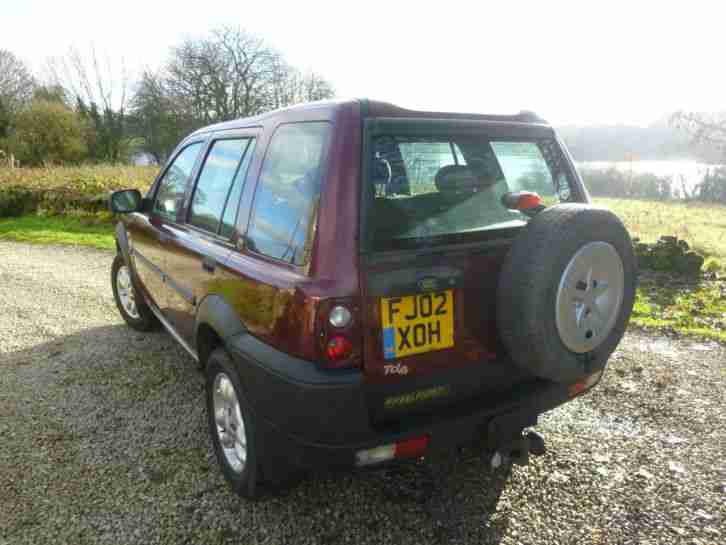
{"points": [[417, 323]]}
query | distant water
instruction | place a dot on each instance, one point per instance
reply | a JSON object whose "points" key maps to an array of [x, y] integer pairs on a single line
{"points": [[682, 172]]}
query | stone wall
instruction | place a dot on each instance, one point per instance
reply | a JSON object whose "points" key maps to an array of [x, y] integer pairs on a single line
{"points": [[668, 254]]}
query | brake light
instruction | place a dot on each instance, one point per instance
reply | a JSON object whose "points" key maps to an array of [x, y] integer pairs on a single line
{"points": [[339, 334], [339, 348]]}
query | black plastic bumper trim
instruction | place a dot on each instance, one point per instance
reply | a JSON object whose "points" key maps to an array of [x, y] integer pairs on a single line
{"points": [[310, 418]]}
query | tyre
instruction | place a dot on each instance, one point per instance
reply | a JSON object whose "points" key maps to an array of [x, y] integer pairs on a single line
{"points": [[566, 292], [129, 302], [231, 425]]}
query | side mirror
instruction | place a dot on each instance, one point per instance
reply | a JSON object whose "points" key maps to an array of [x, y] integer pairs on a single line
{"points": [[126, 201]]}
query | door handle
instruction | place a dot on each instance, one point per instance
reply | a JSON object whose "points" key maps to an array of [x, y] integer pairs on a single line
{"points": [[209, 264]]}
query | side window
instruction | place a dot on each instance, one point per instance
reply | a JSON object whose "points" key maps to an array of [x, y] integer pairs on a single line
{"points": [[524, 167], [287, 195], [221, 176], [229, 219], [172, 186]]}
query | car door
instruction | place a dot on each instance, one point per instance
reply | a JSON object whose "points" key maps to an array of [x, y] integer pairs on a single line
{"points": [[148, 232], [202, 240], [279, 234]]}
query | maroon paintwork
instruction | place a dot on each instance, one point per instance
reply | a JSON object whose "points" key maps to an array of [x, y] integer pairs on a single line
{"points": [[278, 302], [286, 295]]}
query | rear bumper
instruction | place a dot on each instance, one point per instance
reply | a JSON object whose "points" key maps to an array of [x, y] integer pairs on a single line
{"points": [[310, 418]]}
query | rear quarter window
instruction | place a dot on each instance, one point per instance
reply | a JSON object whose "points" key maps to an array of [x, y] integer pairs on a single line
{"points": [[288, 193]]}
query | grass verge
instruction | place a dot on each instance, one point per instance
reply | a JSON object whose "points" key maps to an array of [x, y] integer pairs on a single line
{"points": [[695, 308], [58, 230]]}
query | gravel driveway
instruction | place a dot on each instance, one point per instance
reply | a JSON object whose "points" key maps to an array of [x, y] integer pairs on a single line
{"points": [[103, 440]]}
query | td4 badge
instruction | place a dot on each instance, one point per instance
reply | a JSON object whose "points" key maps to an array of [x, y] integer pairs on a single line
{"points": [[395, 369]]}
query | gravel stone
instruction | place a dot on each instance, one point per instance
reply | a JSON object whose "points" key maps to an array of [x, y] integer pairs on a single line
{"points": [[103, 440]]}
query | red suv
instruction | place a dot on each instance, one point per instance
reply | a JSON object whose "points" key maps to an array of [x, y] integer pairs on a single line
{"points": [[363, 282]]}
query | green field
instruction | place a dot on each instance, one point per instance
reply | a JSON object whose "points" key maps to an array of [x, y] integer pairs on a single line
{"points": [[64, 204], [664, 302], [673, 304], [58, 230], [702, 225]]}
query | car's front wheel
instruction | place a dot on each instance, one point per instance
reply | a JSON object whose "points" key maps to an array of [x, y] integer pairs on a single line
{"points": [[131, 305], [231, 425]]}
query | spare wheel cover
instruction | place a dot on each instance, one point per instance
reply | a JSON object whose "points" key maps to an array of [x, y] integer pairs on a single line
{"points": [[589, 296]]}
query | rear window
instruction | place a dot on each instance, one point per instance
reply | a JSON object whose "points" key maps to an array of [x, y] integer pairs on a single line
{"points": [[424, 190]]}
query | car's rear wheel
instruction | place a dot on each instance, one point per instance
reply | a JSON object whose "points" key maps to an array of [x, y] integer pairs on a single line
{"points": [[231, 425], [129, 302], [566, 291]]}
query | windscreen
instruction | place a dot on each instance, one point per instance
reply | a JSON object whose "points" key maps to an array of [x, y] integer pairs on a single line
{"points": [[424, 190]]}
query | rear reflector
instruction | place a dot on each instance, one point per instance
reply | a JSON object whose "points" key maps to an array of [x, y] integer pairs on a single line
{"points": [[584, 384], [410, 448]]}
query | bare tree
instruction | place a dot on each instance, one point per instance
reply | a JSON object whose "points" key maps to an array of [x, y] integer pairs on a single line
{"points": [[288, 85], [16, 88], [706, 130], [91, 78], [233, 74], [228, 74], [16, 81], [159, 116], [99, 87], [316, 87], [223, 76]]}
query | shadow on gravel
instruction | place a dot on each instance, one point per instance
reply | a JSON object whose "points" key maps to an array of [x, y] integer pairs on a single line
{"points": [[115, 421]]}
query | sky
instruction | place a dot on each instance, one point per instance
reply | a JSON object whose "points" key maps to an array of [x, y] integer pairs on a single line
{"points": [[583, 62]]}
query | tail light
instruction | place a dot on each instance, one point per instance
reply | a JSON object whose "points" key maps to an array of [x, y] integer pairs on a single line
{"points": [[339, 348], [339, 333]]}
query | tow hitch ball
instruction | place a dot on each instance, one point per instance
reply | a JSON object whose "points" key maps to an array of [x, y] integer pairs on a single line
{"points": [[518, 451]]}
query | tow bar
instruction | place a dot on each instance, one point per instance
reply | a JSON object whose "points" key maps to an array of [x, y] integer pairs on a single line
{"points": [[518, 450]]}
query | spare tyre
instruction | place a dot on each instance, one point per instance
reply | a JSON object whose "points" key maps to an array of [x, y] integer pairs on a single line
{"points": [[566, 291]]}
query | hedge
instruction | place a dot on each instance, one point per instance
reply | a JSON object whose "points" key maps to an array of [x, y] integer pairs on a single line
{"points": [[58, 190]]}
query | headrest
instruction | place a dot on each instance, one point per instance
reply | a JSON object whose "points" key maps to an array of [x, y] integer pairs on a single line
{"points": [[459, 179]]}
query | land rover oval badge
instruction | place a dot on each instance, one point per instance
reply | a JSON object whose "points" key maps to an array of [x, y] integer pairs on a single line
{"points": [[428, 284]]}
